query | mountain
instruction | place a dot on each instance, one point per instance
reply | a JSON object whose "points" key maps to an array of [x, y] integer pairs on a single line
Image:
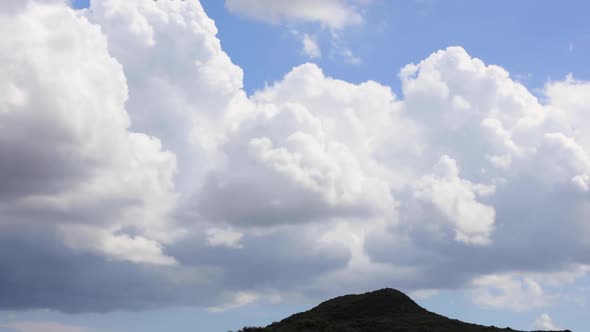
{"points": [[385, 310]]}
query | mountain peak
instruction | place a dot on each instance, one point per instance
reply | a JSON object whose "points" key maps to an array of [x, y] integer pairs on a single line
{"points": [[386, 309], [386, 301]]}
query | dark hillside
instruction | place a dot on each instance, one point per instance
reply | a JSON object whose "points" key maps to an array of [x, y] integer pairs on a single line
{"points": [[385, 310]]}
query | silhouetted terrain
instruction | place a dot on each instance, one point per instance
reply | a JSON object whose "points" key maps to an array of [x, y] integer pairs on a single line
{"points": [[385, 310]]}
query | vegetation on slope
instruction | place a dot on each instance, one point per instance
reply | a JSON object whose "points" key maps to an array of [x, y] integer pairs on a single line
{"points": [[385, 310]]}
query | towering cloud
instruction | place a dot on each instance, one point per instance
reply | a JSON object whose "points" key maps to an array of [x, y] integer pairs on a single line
{"points": [[137, 173], [68, 156]]}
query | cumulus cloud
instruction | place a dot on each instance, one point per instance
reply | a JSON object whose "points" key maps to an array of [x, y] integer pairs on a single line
{"points": [[456, 200], [302, 154], [126, 212], [141, 175], [523, 155], [334, 14], [184, 84], [544, 323], [8, 6], [70, 158]]}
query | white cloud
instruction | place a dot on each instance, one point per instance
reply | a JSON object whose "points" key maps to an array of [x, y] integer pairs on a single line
{"points": [[304, 151], [136, 249], [509, 292], [349, 57], [334, 14], [11, 6], [184, 83], [145, 149], [45, 327], [533, 154], [566, 104], [73, 158], [544, 323], [224, 237], [238, 300], [310, 47], [456, 199]]}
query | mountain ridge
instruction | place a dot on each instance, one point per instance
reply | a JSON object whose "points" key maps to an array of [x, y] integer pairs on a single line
{"points": [[384, 310]]}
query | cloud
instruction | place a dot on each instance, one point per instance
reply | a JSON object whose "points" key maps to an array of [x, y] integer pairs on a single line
{"points": [[304, 17], [310, 47], [239, 299], [294, 158], [44, 327], [141, 175], [334, 14], [71, 159], [544, 323], [456, 200], [509, 292], [184, 84], [526, 156], [133, 248], [96, 193], [224, 237], [11, 6], [349, 57]]}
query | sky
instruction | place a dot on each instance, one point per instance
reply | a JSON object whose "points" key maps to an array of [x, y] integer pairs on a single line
{"points": [[202, 166]]}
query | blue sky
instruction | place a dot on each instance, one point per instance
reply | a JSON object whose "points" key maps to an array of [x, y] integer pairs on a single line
{"points": [[531, 39], [178, 179]]}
